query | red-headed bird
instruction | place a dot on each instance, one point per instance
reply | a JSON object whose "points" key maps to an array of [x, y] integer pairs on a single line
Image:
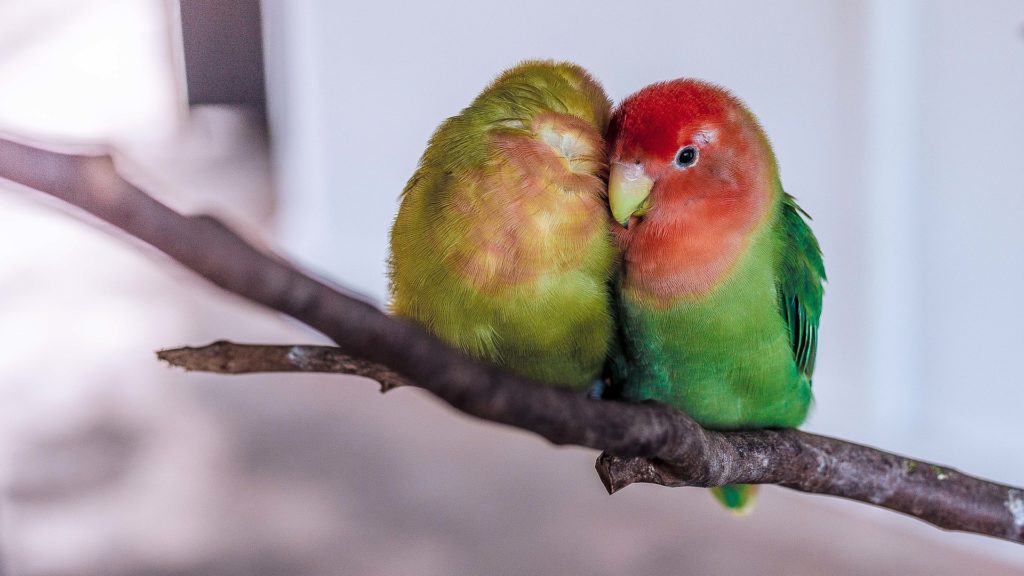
{"points": [[720, 289]]}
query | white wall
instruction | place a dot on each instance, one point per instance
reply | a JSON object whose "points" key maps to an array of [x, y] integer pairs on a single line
{"points": [[115, 54], [972, 205]]}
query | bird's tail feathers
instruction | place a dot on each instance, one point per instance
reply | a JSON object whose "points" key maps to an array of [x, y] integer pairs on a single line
{"points": [[738, 498]]}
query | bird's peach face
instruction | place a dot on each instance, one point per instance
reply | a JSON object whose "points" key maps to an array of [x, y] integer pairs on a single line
{"points": [[640, 180]]}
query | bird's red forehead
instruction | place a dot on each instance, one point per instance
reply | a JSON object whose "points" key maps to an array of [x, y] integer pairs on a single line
{"points": [[649, 122]]}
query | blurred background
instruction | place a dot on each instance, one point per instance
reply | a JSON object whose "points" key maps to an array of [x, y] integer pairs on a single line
{"points": [[898, 125]]}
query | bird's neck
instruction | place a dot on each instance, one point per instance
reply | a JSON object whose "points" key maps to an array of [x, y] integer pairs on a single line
{"points": [[687, 253]]}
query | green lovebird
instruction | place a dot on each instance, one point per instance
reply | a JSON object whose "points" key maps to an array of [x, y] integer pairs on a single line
{"points": [[720, 287], [503, 246]]}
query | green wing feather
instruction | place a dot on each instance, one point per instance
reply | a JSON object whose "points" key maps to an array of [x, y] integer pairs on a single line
{"points": [[802, 273], [800, 278]]}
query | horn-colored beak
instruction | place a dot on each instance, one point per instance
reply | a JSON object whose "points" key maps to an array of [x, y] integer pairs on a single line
{"points": [[629, 191]]}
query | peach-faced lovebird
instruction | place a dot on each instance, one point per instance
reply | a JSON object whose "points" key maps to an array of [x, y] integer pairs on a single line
{"points": [[720, 288], [502, 246]]}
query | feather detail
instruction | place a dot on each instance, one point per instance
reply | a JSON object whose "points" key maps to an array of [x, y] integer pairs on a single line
{"points": [[800, 278]]}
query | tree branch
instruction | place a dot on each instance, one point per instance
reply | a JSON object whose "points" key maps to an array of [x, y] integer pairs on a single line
{"points": [[643, 442], [225, 357]]}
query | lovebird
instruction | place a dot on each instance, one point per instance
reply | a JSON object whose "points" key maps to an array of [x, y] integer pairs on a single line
{"points": [[719, 293], [502, 246]]}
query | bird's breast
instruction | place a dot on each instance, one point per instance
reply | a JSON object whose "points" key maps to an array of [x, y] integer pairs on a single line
{"points": [[535, 210], [689, 253]]}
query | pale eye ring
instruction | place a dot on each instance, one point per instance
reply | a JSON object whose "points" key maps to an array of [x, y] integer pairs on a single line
{"points": [[686, 157]]}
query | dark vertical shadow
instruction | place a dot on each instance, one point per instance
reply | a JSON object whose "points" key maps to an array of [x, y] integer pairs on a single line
{"points": [[223, 46]]}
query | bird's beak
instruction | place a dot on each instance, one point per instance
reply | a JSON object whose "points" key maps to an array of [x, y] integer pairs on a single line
{"points": [[629, 191]]}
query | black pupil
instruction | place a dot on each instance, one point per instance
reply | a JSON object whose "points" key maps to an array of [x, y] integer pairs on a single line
{"points": [[686, 156]]}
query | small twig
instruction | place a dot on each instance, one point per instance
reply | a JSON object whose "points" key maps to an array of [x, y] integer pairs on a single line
{"points": [[646, 442], [225, 357]]}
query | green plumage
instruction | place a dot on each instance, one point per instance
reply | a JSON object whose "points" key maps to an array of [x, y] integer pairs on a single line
{"points": [[501, 245], [742, 355]]}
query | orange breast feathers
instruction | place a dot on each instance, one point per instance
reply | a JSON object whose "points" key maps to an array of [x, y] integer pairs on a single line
{"points": [[694, 234], [536, 206]]}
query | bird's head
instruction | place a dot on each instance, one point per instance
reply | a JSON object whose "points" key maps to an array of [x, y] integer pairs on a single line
{"points": [[684, 150]]}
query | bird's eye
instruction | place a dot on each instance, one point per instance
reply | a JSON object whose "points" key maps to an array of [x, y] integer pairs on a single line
{"points": [[686, 157]]}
